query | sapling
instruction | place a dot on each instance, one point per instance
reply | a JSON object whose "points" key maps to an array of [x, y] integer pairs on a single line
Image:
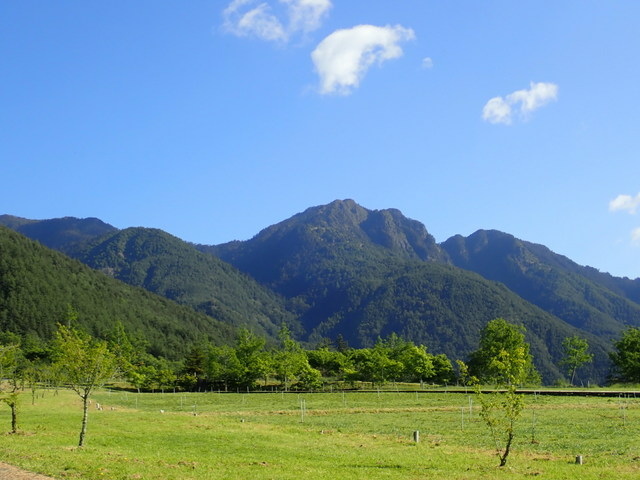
{"points": [[505, 359], [85, 364]]}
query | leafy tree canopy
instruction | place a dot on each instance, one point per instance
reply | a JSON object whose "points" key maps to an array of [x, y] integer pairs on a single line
{"points": [[503, 357], [575, 354], [626, 357]]}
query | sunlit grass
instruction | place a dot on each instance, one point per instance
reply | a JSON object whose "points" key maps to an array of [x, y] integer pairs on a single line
{"points": [[314, 436]]}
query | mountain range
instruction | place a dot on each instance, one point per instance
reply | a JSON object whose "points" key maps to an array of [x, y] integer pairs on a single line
{"points": [[341, 270]]}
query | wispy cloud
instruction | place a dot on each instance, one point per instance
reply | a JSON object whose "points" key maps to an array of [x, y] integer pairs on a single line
{"points": [[274, 20], [626, 203], [629, 204], [427, 62], [497, 110], [343, 58], [307, 15], [521, 103]]}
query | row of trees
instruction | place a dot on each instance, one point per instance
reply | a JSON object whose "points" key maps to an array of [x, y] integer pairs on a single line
{"points": [[248, 363], [392, 359], [84, 363]]}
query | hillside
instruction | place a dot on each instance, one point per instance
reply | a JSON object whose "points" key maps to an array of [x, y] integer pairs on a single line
{"points": [[38, 285], [165, 265], [58, 233], [593, 302]]}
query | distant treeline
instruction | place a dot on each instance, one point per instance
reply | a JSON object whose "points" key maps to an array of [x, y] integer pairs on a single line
{"points": [[249, 364]]}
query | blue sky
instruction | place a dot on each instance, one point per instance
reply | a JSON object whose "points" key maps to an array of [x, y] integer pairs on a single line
{"points": [[214, 119]]}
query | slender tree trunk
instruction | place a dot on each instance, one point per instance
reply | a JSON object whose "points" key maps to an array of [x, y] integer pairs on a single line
{"points": [[85, 417], [14, 416], [503, 458], [13, 403]]}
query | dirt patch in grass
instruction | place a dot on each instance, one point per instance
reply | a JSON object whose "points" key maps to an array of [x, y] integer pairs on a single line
{"points": [[9, 472]]}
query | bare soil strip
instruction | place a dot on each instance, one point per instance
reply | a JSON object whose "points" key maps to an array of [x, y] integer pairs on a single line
{"points": [[9, 472]]}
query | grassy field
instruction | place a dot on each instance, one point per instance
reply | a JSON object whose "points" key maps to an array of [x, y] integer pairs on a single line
{"points": [[315, 436]]}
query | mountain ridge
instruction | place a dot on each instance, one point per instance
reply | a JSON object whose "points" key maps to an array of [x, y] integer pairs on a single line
{"points": [[551, 281], [342, 269], [58, 233]]}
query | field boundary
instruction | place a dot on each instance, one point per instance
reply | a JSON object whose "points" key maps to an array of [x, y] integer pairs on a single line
{"points": [[466, 391]]}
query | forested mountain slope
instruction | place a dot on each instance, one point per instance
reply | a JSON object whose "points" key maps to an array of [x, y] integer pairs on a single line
{"points": [[58, 233], [586, 299], [325, 232], [168, 266], [39, 285]]}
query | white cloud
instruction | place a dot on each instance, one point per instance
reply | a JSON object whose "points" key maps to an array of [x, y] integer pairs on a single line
{"points": [[344, 57], [630, 205], [252, 18], [502, 109], [537, 96], [306, 15], [625, 202], [497, 110], [260, 22], [427, 62]]}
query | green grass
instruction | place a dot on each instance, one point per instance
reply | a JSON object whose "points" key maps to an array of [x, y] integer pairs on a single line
{"points": [[346, 436]]}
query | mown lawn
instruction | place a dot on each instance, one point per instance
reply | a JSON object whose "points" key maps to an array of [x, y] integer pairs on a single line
{"points": [[317, 436]]}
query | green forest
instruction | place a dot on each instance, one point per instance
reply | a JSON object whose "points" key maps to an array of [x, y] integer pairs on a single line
{"points": [[39, 286], [348, 285]]}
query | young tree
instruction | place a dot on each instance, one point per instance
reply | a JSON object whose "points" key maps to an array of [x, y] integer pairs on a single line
{"points": [[500, 411], [85, 364], [626, 357], [504, 359], [32, 374], [575, 354], [10, 356]]}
